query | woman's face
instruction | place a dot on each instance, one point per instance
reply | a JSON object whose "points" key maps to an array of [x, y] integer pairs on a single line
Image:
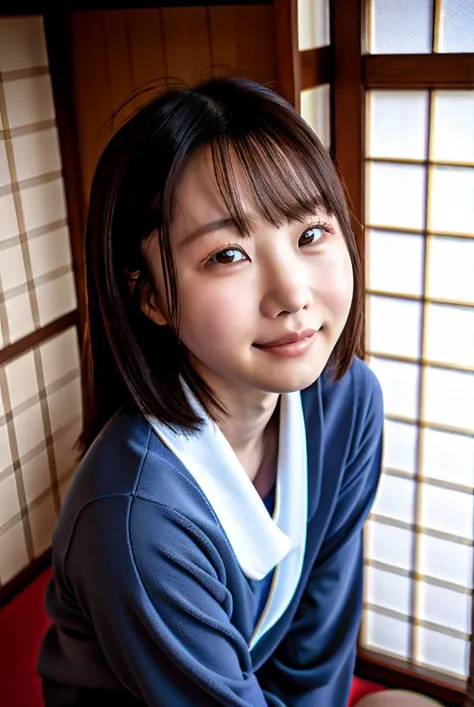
{"points": [[263, 312]]}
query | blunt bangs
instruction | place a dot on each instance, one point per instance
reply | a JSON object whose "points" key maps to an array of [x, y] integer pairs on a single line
{"points": [[287, 174]]}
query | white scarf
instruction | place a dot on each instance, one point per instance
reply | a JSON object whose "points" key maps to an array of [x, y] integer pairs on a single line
{"points": [[260, 543]]}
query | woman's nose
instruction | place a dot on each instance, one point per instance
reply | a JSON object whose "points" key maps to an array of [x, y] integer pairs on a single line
{"points": [[287, 291]]}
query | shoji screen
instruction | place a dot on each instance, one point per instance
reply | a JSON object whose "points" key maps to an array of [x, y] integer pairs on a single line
{"points": [[420, 341], [313, 34], [40, 409]]}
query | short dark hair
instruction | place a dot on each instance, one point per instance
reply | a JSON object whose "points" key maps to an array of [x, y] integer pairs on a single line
{"points": [[126, 356]]}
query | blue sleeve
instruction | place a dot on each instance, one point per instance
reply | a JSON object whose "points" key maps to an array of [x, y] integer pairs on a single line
{"points": [[157, 600], [313, 666]]}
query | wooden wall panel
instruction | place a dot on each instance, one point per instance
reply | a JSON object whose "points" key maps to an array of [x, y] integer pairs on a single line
{"points": [[91, 92], [187, 45], [256, 53], [147, 52], [223, 39], [116, 52], [242, 40]]}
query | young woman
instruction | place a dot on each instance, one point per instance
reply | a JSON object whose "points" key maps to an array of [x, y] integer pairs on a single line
{"points": [[209, 548]]}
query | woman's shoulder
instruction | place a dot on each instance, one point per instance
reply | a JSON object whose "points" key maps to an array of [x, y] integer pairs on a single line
{"points": [[128, 465]]}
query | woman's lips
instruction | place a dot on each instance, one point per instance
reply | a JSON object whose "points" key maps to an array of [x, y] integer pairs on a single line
{"points": [[291, 344]]}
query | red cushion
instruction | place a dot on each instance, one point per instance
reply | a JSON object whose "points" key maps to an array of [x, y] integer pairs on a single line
{"points": [[360, 688], [23, 622]]}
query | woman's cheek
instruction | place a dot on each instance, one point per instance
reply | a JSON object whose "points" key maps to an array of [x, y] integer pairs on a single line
{"points": [[212, 308], [335, 282]]}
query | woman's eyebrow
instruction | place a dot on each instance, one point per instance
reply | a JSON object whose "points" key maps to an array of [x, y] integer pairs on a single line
{"points": [[225, 223]]}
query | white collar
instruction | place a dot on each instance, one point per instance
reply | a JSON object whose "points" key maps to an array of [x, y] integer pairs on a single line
{"points": [[260, 543]]}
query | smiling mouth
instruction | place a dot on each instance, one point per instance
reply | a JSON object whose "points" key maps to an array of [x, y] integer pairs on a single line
{"points": [[288, 339]]}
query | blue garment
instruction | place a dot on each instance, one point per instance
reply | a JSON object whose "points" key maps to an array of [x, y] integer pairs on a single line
{"points": [[148, 598], [262, 588]]}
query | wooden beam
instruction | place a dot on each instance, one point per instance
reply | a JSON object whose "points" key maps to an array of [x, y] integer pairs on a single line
{"points": [[348, 114], [58, 38], [37, 337], [316, 67], [397, 674], [287, 52], [39, 8], [410, 71]]}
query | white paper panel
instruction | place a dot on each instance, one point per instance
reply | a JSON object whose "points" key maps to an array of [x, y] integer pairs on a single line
{"points": [[36, 476], [22, 43], [29, 429], [56, 298], [447, 511], [450, 268], [390, 545], [8, 218], [43, 204], [313, 23], [399, 383], [5, 453], [402, 27], [400, 449], [448, 457], [9, 503], [449, 398], [442, 559], [12, 269], [397, 124], [395, 195], [36, 154], [387, 634], [444, 607], [13, 553], [60, 356], [4, 168], [20, 318], [21, 378], [29, 100], [50, 252], [65, 404], [388, 590], [394, 326], [451, 206], [457, 26], [450, 334], [395, 262], [316, 110], [395, 498], [445, 652], [452, 129]]}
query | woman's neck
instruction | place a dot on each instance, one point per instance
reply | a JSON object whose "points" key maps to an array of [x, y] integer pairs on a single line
{"points": [[247, 425], [250, 431]]}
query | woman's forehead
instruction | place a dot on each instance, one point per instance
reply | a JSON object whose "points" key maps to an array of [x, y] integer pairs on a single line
{"points": [[250, 182], [197, 193]]}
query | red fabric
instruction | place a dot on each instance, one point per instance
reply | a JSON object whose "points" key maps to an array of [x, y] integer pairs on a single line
{"points": [[360, 688], [23, 622]]}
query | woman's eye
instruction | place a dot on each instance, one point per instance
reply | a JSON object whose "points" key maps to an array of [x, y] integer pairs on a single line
{"points": [[229, 256], [312, 235]]}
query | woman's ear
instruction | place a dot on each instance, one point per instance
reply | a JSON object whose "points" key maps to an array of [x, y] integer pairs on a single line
{"points": [[150, 306]]}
